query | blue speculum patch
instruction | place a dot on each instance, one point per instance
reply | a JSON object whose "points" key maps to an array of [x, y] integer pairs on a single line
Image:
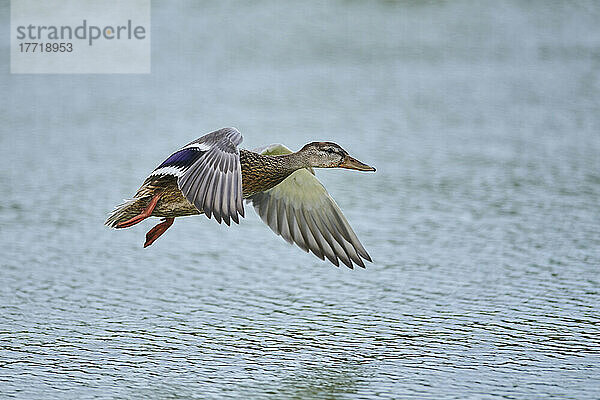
{"points": [[182, 158]]}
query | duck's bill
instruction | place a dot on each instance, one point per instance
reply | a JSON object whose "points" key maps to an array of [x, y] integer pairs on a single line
{"points": [[353, 163]]}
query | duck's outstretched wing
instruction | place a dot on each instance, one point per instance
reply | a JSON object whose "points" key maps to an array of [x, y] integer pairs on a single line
{"points": [[302, 212], [209, 174]]}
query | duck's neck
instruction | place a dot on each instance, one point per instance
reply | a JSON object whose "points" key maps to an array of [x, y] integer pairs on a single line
{"points": [[262, 172], [292, 162]]}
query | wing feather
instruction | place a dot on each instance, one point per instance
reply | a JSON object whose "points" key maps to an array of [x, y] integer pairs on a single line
{"points": [[212, 181], [322, 243], [309, 239], [295, 229], [282, 221]]}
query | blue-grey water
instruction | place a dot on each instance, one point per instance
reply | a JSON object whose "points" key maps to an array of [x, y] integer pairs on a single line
{"points": [[483, 218]]}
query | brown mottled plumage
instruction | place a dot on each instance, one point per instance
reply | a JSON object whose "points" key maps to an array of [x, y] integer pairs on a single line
{"points": [[262, 172]]}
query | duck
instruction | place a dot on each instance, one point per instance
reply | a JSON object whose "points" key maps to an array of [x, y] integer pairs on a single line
{"points": [[214, 177]]}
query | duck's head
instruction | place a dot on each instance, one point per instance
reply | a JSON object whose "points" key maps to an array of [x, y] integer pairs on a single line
{"points": [[331, 155]]}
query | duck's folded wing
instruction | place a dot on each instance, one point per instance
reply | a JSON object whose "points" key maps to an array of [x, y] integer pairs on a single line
{"points": [[302, 212], [209, 174]]}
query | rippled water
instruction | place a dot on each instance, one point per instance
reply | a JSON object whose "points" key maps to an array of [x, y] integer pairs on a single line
{"points": [[483, 217]]}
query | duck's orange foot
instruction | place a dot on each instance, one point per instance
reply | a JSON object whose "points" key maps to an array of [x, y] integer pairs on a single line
{"points": [[158, 230], [145, 214]]}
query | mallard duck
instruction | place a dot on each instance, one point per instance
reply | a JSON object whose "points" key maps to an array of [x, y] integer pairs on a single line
{"points": [[212, 176]]}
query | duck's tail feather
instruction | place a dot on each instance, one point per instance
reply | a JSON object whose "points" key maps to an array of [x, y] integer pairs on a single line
{"points": [[124, 211]]}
